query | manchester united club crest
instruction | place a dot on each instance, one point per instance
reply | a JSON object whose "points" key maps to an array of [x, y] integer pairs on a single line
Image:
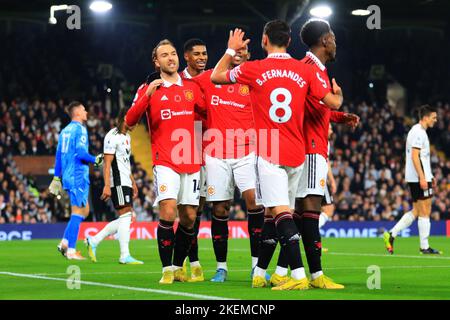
{"points": [[244, 90], [189, 95], [163, 188], [211, 190], [322, 183]]}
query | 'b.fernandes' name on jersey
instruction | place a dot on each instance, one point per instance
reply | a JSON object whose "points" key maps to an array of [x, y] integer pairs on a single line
{"points": [[278, 73]]}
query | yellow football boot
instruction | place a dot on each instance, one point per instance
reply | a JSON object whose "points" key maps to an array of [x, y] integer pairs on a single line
{"points": [[323, 282]]}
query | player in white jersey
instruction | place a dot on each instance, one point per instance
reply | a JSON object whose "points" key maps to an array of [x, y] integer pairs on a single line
{"points": [[120, 187], [420, 180]]}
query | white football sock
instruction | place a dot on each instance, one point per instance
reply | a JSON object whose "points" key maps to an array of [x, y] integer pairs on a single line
{"points": [[403, 223], [322, 219], [298, 273], [424, 231], [281, 271], [254, 261], [222, 265], [123, 232], [108, 230], [317, 274], [169, 268], [259, 272]]}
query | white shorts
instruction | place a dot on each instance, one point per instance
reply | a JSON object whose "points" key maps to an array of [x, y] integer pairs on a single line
{"points": [[314, 176], [183, 187], [203, 185], [222, 175], [276, 185]]}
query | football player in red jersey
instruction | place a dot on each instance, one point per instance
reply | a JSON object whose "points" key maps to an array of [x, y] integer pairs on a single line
{"points": [[170, 104], [321, 41], [278, 88], [196, 57], [230, 160]]}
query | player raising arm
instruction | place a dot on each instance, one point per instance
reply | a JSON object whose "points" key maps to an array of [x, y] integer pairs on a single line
{"points": [[278, 88]]}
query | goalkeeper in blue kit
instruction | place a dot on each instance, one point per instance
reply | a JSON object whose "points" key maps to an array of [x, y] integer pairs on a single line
{"points": [[72, 174]]}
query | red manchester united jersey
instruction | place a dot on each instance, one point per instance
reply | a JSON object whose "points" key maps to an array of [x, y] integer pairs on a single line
{"points": [[229, 118], [170, 116], [317, 114], [278, 88]]}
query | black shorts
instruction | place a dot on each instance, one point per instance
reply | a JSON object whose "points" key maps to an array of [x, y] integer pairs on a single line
{"points": [[327, 197], [417, 193], [121, 196]]}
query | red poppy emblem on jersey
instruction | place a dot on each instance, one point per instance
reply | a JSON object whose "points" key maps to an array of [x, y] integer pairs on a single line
{"points": [[189, 95], [177, 98], [230, 89], [244, 90]]}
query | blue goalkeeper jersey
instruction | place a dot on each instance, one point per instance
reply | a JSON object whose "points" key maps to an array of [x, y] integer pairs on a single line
{"points": [[72, 156]]}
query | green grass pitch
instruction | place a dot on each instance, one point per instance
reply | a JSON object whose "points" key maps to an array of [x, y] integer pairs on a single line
{"points": [[35, 270]]}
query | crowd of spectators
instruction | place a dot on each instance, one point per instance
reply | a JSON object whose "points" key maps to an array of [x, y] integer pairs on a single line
{"points": [[368, 165]]}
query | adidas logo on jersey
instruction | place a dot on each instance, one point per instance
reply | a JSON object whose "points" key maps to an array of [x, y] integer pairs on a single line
{"points": [[164, 98]]}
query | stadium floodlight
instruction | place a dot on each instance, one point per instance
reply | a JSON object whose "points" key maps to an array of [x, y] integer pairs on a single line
{"points": [[360, 12], [100, 6], [53, 9], [321, 12]]}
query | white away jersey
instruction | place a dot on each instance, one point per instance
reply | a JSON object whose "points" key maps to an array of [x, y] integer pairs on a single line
{"points": [[119, 145], [418, 138]]}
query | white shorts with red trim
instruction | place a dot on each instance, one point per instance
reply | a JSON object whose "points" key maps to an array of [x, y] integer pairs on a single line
{"points": [[183, 187], [222, 175], [314, 176], [276, 185]]}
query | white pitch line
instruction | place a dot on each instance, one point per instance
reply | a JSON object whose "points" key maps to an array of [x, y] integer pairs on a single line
{"points": [[121, 272], [107, 285], [386, 255]]}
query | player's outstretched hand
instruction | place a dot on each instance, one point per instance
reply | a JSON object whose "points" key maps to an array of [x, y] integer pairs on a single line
{"points": [[106, 194], [153, 86], [99, 160], [55, 187], [351, 120], [236, 40]]}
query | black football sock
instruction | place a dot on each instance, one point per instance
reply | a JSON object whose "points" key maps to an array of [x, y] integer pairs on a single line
{"points": [[289, 239], [166, 239], [183, 240], [255, 225], [269, 241], [193, 252], [312, 240], [219, 233]]}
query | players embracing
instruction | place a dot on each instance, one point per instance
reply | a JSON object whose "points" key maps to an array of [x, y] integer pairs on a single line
{"points": [[170, 104]]}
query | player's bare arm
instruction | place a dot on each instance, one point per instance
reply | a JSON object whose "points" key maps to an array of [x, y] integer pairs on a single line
{"points": [[134, 185], [106, 194], [331, 179], [334, 99], [235, 42], [415, 154]]}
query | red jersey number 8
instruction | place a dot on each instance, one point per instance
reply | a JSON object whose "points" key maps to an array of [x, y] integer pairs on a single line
{"points": [[277, 105]]}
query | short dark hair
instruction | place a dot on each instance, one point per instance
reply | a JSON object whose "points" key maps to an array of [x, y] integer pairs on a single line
{"points": [[121, 117], [425, 110], [278, 33], [313, 30], [73, 105], [191, 43]]}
